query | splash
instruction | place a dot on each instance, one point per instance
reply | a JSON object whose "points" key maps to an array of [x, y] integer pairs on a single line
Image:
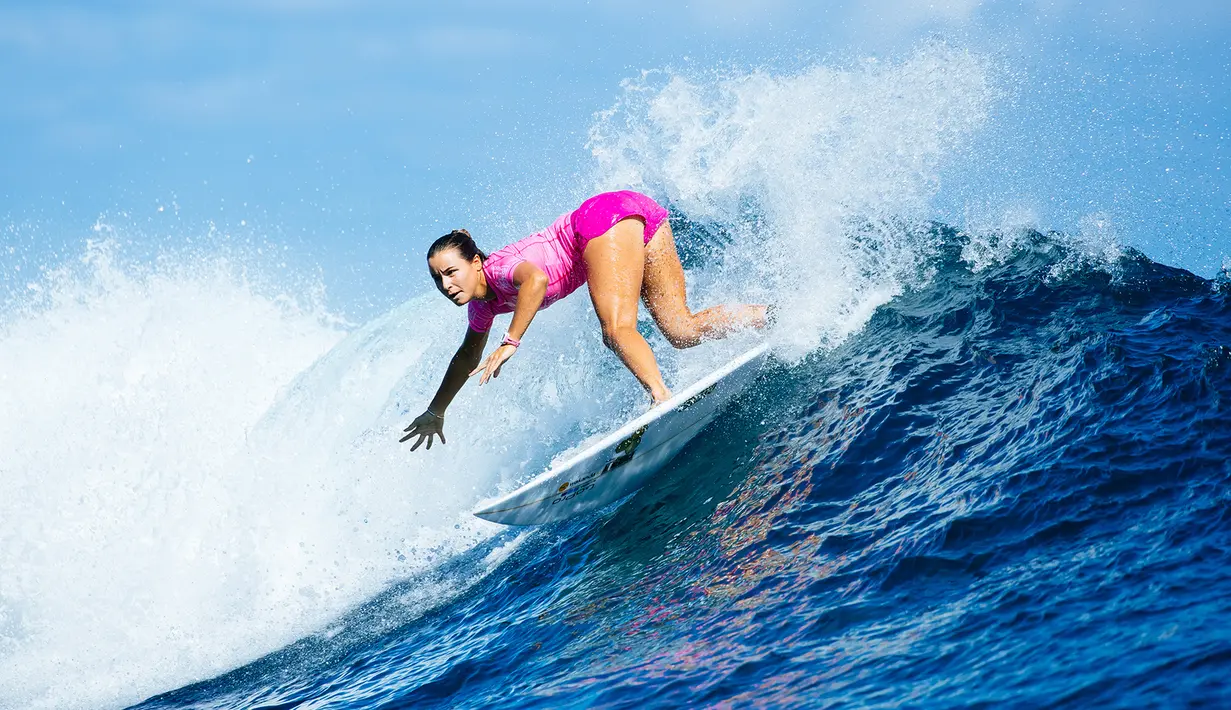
{"points": [[126, 394], [201, 468], [825, 177]]}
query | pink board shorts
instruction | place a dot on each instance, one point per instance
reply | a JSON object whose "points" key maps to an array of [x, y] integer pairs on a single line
{"points": [[600, 213]]}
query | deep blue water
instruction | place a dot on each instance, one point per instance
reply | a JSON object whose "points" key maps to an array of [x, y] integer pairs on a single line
{"points": [[1011, 488]]}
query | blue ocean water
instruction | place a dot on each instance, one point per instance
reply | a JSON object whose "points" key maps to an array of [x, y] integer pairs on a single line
{"points": [[987, 466], [1011, 488]]}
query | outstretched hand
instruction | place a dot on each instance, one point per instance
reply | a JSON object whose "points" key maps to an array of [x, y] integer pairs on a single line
{"points": [[491, 366], [425, 426]]}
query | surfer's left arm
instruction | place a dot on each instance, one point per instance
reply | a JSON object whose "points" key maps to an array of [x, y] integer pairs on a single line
{"points": [[531, 285]]}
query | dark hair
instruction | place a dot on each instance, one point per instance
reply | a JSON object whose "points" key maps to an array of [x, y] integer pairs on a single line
{"points": [[460, 240]]}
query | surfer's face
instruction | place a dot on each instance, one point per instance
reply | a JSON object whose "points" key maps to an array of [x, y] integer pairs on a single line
{"points": [[455, 277]]}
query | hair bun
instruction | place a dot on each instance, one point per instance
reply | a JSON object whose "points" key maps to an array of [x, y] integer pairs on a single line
{"points": [[460, 240]]}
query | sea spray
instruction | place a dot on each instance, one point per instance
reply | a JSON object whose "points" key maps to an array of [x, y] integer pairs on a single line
{"points": [[824, 176], [126, 391], [199, 470], [204, 471]]}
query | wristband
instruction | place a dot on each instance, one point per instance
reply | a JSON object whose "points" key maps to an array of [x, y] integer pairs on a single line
{"points": [[434, 414], [509, 340]]}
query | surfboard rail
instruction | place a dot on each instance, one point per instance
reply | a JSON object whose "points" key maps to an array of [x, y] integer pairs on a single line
{"points": [[620, 462]]}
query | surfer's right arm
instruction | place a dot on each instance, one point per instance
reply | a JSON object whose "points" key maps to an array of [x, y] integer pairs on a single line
{"points": [[431, 422]]}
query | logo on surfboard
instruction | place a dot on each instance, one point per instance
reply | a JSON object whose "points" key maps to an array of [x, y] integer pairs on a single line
{"points": [[625, 450], [698, 397], [624, 453]]}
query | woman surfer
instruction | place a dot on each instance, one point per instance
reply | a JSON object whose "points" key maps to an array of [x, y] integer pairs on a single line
{"points": [[620, 243]]}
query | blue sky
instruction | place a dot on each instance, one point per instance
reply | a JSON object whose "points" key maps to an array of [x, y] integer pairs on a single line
{"points": [[353, 132]]}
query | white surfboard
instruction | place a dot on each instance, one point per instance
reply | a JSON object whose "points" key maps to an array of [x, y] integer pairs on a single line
{"points": [[624, 460]]}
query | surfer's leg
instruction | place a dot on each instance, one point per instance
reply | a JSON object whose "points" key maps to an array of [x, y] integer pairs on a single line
{"points": [[664, 292], [614, 262]]}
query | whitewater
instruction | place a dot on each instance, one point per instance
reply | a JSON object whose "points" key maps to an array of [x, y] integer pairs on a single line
{"points": [[989, 464]]}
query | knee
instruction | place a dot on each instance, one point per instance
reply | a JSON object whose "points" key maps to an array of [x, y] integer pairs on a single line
{"points": [[682, 335], [680, 342], [616, 333]]}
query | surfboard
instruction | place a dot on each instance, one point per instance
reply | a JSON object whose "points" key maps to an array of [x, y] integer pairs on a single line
{"points": [[624, 460]]}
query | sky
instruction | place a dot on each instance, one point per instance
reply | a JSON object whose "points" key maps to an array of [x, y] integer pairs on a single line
{"points": [[348, 134]]}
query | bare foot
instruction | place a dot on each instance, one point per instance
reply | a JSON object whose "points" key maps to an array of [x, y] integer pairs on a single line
{"points": [[762, 321], [758, 316], [770, 316]]}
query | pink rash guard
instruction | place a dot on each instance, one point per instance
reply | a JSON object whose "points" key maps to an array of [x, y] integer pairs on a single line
{"points": [[558, 251]]}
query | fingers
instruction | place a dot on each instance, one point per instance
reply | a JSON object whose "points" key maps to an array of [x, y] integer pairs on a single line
{"points": [[423, 431], [491, 366], [482, 366], [422, 436]]}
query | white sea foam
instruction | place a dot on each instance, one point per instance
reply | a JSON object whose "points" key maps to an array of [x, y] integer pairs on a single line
{"points": [[197, 471], [838, 164], [124, 519]]}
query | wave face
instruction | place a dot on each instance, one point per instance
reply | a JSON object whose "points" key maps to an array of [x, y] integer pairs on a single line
{"points": [[201, 467], [987, 466], [1010, 485]]}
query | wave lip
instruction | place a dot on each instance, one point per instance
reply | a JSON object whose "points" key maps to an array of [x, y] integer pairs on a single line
{"points": [[1007, 487], [982, 461], [822, 179]]}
